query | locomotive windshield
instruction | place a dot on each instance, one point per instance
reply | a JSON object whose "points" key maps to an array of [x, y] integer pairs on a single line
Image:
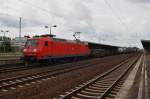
{"points": [[31, 42]]}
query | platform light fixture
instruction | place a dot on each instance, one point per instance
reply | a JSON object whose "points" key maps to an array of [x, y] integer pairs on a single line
{"points": [[4, 31], [50, 27]]}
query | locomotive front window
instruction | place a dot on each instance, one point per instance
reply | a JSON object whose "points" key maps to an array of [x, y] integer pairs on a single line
{"points": [[31, 42]]}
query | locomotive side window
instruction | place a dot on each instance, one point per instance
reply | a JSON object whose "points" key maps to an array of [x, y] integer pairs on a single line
{"points": [[46, 43], [31, 43]]}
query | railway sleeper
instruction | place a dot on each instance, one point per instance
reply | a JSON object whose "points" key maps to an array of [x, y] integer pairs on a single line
{"points": [[96, 88], [12, 82], [24, 79], [90, 93], [114, 92], [75, 97], [111, 96], [93, 90], [4, 83], [116, 89], [99, 85], [82, 96], [18, 80], [105, 80]]}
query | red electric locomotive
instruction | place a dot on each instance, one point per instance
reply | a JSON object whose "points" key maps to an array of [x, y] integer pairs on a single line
{"points": [[48, 49]]}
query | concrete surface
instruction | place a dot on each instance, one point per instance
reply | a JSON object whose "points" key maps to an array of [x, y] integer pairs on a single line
{"points": [[137, 84]]}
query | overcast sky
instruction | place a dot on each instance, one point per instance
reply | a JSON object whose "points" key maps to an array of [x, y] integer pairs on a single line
{"points": [[115, 22]]}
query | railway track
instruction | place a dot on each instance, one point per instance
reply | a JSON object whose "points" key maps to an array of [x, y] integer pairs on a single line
{"points": [[104, 86], [17, 67], [6, 62], [9, 65], [21, 66], [14, 82]]}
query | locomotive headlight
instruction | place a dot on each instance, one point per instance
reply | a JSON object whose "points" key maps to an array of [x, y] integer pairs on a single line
{"points": [[34, 50], [24, 50]]}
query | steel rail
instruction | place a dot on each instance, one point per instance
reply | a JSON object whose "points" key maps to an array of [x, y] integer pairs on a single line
{"points": [[14, 81], [73, 93]]}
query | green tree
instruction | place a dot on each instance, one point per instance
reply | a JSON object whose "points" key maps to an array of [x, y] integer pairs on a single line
{"points": [[5, 46]]}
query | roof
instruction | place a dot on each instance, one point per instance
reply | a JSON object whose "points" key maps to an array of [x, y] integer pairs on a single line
{"points": [[102, 46], [146, 44], [68, 41]]}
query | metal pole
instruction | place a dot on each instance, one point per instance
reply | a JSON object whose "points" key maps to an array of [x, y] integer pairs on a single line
{"points": [[4, 41], [20, 27], [50, 31], [4, 47], [4, 33]]}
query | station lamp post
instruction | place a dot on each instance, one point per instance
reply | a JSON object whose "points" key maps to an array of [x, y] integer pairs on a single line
{"points": [[4, 32], [50, 27]]}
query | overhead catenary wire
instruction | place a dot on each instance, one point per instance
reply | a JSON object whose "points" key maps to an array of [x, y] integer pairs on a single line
{"points": [[118, 17], [49, 12], [30, 5], [115, 15], [38, 7], [16, 17], [17, 10]]}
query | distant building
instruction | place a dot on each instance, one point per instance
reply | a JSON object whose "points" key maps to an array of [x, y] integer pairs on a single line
{"points": [[18, 43]]}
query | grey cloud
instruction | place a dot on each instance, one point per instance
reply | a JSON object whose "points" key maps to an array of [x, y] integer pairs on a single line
{"points": [[8, 21], [91, 17], [75, 10], [33, 23], [76, 15], [140, 1], [1, 1]]}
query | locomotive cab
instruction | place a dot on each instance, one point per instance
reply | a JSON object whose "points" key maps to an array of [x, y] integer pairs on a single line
{"points": [[35, 49]]}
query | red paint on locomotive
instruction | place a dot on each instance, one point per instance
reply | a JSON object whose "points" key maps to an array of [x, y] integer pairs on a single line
{"points": [[49, 48]]}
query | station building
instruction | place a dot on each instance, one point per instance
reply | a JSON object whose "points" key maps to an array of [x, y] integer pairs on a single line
{"points": [[18, 43]]}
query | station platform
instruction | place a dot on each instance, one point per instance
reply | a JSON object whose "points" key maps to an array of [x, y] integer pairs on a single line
{"points": [[9, 60], [137, 84]]}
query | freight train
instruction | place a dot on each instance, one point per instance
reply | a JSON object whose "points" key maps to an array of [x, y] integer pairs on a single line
{"points": [[50, 49]]}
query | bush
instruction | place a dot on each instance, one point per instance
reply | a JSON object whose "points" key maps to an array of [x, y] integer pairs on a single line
{"points": [[5, 46]]}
